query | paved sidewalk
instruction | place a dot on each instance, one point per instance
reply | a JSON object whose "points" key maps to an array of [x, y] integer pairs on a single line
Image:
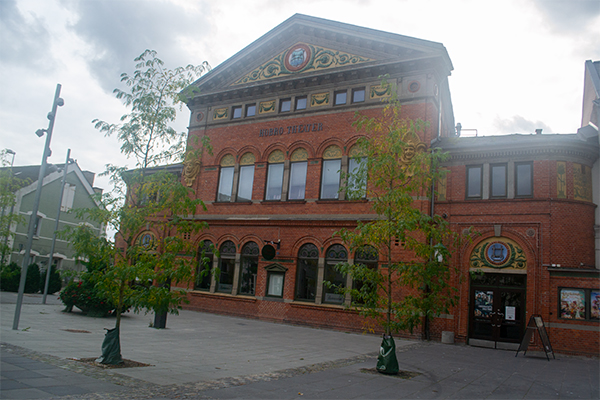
{"points": [[204, 355]]}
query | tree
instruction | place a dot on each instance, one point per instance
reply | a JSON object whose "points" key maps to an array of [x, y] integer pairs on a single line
{"points": [[405, 292], [9, 184], [146, 207]]}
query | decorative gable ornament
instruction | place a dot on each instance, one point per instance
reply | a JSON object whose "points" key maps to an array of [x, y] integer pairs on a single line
{"points": [[300, 58], [498, 253]]}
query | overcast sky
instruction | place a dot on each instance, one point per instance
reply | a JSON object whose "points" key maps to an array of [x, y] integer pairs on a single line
{"points": [[518, 65]]}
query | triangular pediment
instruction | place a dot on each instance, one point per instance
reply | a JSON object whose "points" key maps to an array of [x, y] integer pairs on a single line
{"points": [[304, 46]]}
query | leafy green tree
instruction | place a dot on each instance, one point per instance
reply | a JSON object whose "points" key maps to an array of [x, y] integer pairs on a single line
{"points": [[403, 293], [147, 207]]}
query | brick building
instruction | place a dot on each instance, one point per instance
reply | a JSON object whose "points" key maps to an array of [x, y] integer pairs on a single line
{"points": [[279, 117]]}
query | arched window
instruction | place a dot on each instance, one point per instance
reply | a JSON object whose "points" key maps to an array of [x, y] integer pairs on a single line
{"points": [[367, 256], [357, 174], [330, 176], [335, 254], [298, 168], [275, 176], [226, 266], [249, 265], [246, 179], [307, 270], [205, 262], [226, 178]]}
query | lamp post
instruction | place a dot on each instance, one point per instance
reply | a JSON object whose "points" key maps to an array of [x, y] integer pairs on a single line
{"points": [[12, 206], [58, 102], [60, 198]]}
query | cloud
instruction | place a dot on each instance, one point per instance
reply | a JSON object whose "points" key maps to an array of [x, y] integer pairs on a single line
{"points": [[25, 41], [118, 31], [569, 16], [518, 124]]}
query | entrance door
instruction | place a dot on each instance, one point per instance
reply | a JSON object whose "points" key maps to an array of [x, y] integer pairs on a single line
{"points": [[497, 309]]}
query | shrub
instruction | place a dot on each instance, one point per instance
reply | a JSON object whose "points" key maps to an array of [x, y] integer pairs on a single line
{"points": [[83, 295], [10, 277], [55, 282], [32, 283]]}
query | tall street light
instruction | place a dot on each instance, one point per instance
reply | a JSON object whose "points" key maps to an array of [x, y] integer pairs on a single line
{"points": [[58, 102]]}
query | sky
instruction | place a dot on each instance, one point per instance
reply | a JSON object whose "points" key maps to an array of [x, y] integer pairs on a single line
{"points": [[518, 65]]}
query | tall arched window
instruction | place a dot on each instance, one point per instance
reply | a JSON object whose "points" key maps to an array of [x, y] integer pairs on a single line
{"points": [[357, 174], [298, 167], [226, 266], [226, 178], [306, 274], [367, 256], [335, 254], [249, 265], [330, 176], [275, 176], [205, 262], [246, 179]]}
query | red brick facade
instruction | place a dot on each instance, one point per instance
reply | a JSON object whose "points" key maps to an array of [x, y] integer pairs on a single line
{"points": [[530, 220]]}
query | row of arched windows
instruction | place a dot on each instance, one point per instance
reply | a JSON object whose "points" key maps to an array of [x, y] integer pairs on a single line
{"points": [[309, 284], [286, 178]]}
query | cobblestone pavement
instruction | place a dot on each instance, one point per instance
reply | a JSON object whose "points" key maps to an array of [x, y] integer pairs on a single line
{"points": [[206, 356]]}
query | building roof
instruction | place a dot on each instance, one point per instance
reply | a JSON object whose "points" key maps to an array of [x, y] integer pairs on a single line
{"points": [[336, 47], [533, 146]]}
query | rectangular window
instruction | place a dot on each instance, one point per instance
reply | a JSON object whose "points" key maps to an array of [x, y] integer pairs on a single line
{"points": [[524, 179], [330, 179], [358, 95], [225, 184], [357, 179], [251, 110], [498, 180], [301, 103], [275, 284], [236, 112], [68, 197], [579, 304], [285, 105], [38, 226], [474, 181], [297, 180], [274, 182], [245, 183], [340, 97]]}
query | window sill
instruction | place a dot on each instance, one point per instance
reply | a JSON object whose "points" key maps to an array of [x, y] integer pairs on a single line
{"points": [[202, 293], [282, 202], [231, 203]]}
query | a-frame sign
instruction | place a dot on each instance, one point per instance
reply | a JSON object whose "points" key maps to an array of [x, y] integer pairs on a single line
{"points": [[536, 324]]}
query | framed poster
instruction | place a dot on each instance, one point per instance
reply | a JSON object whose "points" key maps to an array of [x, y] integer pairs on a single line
{"points": [[595, 304], [572, 303], [484, 301]]}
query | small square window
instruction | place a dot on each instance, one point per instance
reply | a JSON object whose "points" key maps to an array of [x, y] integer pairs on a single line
{"points": [[236, 112], [285, 105], [251, 110], [301, 103], [340, 97], [358, 95]]}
